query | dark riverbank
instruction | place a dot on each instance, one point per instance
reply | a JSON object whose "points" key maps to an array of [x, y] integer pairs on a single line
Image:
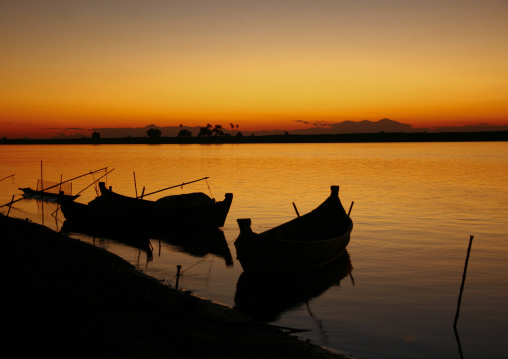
{"points": [[66, 297], [336, 138]]}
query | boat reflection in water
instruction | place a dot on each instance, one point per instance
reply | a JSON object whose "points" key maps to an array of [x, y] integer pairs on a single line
{"points": [[200, 242], [266, 297], [135, 239], [195, 242]]}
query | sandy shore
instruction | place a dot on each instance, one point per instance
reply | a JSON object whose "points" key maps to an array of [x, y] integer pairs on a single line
{"points": [[66, 297]]}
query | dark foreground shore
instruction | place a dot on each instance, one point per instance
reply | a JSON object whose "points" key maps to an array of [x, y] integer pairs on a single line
{"points": [[63, 297]]}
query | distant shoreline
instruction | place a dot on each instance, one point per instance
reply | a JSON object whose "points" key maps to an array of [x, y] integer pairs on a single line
{"points": [[379, 137]]}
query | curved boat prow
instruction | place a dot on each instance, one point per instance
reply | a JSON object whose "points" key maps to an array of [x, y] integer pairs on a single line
{"points": [[244, 224]]}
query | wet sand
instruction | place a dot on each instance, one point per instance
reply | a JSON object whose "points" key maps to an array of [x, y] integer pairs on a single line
{"points": [[63, 297]]}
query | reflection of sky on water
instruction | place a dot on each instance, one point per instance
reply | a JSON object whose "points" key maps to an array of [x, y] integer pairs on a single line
{"points": [[415, 206]]}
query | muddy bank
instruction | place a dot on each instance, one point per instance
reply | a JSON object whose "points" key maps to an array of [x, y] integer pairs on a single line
{"points": [[65, 297]]}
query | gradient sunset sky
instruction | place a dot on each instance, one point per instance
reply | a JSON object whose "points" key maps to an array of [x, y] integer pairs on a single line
{"points": [[262, 64]]}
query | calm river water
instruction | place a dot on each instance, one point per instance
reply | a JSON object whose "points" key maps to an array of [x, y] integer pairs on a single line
{"points": [[415, 207]]}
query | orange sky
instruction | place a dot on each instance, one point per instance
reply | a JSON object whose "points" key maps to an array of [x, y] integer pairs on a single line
{"points": [[262, 64]]}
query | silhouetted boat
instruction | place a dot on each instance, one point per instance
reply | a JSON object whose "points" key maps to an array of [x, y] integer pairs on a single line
{"points": [[113, 209], [266, 297], [47, 196], [54, 191], [302, 244]]}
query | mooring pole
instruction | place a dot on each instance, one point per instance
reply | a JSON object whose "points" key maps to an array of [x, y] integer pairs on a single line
{"points": [[10, 204], [135, 185], [463, 281], [294, 206], [178, 267], [350, 208], [42, 183], [42, 195]]}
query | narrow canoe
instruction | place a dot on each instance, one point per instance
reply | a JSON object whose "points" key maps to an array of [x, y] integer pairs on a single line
{"points": [[303, 244]]}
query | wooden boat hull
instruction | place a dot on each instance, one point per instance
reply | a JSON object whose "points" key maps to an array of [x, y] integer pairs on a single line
{"points": [[180, 211], [112, 209], [303, 244]]}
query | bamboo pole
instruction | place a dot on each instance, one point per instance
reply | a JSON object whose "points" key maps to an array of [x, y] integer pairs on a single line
{"points": [[457, 338], [296, 210], [10, 204], [42, 196], [98, 179], [178, 268], [6, 177], [350, 208], [95, 186], [42, 186], [178, 185], [86, 174], [135, 185], [463, 281]]}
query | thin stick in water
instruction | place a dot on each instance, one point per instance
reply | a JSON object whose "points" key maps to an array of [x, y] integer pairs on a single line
{"points": [[463, 281], [178, 269], [42, 196], [294, 205], [10, 204], [135, 185], [350, 208]]}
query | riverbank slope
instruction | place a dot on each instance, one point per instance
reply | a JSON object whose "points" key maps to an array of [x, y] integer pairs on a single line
{"points": [[65, 297]]}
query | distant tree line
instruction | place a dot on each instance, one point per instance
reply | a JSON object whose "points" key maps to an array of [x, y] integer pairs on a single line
{"points": [[153, 133], [209, 131], [96, 136]]}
